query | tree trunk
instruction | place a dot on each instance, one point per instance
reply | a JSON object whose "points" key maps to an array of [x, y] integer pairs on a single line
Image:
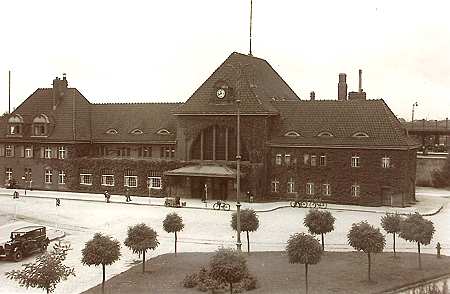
{"points": [[231, 288], [368, 272], [103, 281], [248, 243], [323, 244], [395, 254], [143, 261], [306, 277], [418, 249], [175, 243]]}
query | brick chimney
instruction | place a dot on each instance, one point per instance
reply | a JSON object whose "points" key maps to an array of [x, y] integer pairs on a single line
{"points": [[342, 87], [312, 96], [59, 90]]}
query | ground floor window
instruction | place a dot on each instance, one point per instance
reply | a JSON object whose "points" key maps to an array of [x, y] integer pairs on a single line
{"points": [[290, 186], [356, 190], [309, 188], [9, 172], [48, 176], [326, 190], [154, 182], [130, 181], [86, 179], [107, 180], [62, 177], [275, 183]]}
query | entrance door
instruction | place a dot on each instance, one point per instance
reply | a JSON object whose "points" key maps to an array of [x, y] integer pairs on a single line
{"points": [[197, 187], [386, 196]]}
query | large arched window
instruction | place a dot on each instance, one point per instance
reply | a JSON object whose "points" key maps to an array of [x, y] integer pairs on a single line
{"points": [[40, 125], [15, 125]]}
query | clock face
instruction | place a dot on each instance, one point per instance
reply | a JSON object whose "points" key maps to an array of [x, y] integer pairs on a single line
{"points": [[220, 93]]}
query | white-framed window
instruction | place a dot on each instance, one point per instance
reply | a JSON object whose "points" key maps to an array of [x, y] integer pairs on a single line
{"points": [[62, 152], [9, 151], [287, 159], [291, 186], [326, 189], [274, 185], [130, 181], [48, 176], [86, 179], [355, 160], [48, 152], [278, 159], [313, 160], [356, 190], [107, 180], [62, 177], [28, 152], [323, 160], [154, 183], [386, 162], [9, 173], [306, 159], [309, 188]]}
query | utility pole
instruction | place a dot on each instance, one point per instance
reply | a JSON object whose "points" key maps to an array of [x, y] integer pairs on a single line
{"points": [[238, 180]]}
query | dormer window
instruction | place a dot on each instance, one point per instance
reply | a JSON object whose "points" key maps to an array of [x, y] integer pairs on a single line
{"points": [[325, 134], [163, 132], [112, 131], [292, 134], [15, 125], [137, 132], [40, 125], [360, 135]]}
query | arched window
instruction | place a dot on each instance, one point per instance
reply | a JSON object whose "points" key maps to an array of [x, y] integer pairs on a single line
{"points": [[137, 132], [292, 134], [15, 125], [325, 134], [40, 125], [112, 131], [163, 132], [360, 135]]}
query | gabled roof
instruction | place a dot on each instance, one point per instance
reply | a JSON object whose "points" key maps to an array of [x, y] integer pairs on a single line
{"points": [[341, 118], [259, 85], [126, 117]]}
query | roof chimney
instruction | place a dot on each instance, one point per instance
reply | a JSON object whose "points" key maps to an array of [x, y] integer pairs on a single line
{"points": [[59, 89], [360, 81], [342, 87], [312, 95]]}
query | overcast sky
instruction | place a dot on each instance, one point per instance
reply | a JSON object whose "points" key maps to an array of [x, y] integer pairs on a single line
{"points": [[162, 51]]}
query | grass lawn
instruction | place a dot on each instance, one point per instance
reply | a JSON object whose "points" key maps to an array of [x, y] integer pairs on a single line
{"points": [[337, 272]]}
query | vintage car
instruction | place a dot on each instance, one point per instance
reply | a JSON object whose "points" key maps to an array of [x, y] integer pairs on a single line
{"points": [[25, 241]]}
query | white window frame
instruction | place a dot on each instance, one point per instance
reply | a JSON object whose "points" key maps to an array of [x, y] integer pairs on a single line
{"points": [[287, 159], [306, 159], [326, 189], [310, 189], [386, 162], [153, 183], [28, 152], [323, 160], [278, 159], [313, 160], [356, 161], [48, 176], [356, 191], [9, 174], [86, 179], [9, 151], [291, 185], [62, 152], [127, 179], [62, 177], [48, 152], [108, 180], [274, 185]]}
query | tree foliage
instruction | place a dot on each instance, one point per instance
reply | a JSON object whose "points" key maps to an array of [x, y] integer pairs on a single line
{"points": [[249, 223], [173, 223], [228, 265], [46, 272], [141, 238], [415, 228], [391, 224], [319, 223], [366, 238], [101, 250]]}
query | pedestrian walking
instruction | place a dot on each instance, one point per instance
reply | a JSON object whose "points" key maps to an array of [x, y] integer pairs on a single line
{"points": [[127, 195], [16, 195], [107, 196]]}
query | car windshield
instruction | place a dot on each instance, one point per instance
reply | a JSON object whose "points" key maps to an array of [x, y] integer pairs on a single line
{"points": [[14, 235]]}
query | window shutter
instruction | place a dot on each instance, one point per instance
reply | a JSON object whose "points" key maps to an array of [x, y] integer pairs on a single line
{"points": [[2, 149], [42, 151], [54, 152]]}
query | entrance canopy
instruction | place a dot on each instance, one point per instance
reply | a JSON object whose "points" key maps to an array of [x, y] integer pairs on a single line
{"points": [[211, 171]]}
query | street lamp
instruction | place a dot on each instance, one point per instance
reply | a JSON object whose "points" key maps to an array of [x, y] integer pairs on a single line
{"points": [[238, 180], [415, 104]]}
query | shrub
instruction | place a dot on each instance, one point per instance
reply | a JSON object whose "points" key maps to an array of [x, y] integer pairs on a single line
{"points": [[249, 282], [190, 281]]}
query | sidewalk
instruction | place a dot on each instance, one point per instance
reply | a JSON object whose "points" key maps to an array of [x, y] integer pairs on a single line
{"points": [[430, 201]]}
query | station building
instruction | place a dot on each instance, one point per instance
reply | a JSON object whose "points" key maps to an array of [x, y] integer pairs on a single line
{"points": [[347, 150]]}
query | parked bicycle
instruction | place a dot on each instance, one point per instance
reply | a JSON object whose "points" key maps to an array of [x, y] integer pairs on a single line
{"points": [[221, 205]]}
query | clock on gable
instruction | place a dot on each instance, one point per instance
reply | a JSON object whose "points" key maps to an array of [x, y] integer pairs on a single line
{"points": [[222, 91]]}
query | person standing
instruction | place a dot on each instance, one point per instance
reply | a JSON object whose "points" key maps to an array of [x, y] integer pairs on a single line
{"points": [[127, 195], [107, 196]]}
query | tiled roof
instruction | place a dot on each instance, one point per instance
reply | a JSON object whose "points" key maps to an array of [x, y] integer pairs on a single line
{"points": [[342, 119], [126, 117], [258, 86]]}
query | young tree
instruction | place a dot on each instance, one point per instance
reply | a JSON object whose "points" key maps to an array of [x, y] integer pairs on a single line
{"points": [[304, 249], [366, 238], [319, 222], [46, 272], [391, 224], [101, 250], [417, 229], [140, 239], [229, 266], [249, 223], [173, 223]]}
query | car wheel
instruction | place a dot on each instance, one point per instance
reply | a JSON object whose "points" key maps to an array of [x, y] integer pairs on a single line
{"points": [[18, 255]]}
